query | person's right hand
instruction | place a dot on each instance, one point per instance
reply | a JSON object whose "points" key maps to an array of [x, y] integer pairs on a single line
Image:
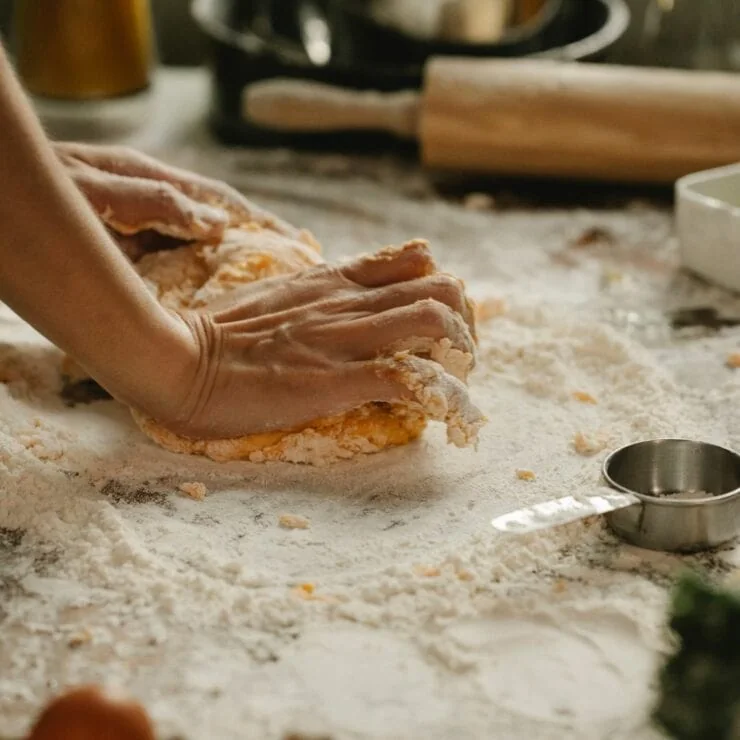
{"points": [[285, 351]]}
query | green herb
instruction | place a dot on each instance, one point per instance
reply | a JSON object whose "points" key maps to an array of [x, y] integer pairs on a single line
{"points": [[700, 683]]}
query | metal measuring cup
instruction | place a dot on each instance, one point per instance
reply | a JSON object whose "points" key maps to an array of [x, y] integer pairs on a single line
{"points": [[676, 495]]}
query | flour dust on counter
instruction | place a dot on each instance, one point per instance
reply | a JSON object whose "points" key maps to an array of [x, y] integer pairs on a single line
{"points": [[371, 599]]}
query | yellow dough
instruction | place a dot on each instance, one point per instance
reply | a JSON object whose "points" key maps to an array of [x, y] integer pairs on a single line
{"points": [[192, 276], [370, 428]]}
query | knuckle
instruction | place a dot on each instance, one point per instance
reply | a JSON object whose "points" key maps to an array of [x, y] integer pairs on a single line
{"points": [[433, 313], [337, 276], [418, 247], [422, 257], [448, 288]]}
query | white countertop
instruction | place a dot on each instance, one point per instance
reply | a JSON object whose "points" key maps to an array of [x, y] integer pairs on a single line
{"points": [[423, 622]]}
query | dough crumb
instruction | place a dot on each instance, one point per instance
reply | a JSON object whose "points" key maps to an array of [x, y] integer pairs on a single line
{"points": [[733, 360], [610, 276], [560, 586], [291, 521], [79, 639], [305, 591], [584, 397], [525, 475], [588, 445], [490, 308], [479, 202], [465, 575], [427, 571], [593, 235], [194, 489]]}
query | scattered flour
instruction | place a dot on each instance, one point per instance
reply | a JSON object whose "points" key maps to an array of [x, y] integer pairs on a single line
{"points": [[399, 613]]}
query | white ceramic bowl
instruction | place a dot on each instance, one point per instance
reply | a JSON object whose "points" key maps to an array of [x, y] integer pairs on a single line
{"points": [[708, 224]]}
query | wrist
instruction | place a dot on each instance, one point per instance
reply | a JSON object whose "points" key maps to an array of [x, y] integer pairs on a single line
{"points": [[151, 365], [169, 369], [193, 362]]}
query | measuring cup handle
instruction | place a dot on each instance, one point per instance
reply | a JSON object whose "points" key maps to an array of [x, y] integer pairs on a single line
{"points": [[560, 511]]}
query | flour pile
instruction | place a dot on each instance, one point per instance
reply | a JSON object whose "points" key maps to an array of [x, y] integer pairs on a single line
{"points": [[371, 599]]}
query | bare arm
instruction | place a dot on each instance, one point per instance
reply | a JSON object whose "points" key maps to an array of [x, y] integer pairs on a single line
{"points": [[278, 354], [61, 271]]}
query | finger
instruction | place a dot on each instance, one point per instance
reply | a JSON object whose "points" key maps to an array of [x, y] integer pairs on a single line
{"points": [[400, 329], [427, 328], [443, 288], [369, 382], [132, 163], [303, 396], [132, 205], [271, 300], [391, 265]]}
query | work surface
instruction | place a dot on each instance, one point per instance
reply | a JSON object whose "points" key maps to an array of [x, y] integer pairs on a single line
{"points": [[399, 612]]}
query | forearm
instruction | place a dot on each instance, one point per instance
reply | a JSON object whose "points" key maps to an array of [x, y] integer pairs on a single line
{"points": [[60, 270]]}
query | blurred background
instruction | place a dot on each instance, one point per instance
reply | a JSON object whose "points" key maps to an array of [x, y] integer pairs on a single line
{"points": [[178, 37], [687, 33], [76, 52]]}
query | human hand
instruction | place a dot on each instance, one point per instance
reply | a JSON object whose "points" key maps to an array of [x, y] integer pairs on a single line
{"points": [[147, 204], [285, 351]]}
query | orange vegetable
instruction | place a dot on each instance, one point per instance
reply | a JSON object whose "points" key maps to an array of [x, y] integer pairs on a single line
{"points": [[86, 713]]}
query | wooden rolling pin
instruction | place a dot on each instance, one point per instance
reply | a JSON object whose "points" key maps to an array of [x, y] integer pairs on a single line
{"points": [[532, 117]]}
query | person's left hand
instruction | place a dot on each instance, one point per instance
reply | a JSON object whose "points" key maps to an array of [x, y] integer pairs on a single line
{"points": [[147, 204]]}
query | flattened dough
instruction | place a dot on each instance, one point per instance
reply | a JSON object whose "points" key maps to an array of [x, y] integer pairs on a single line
{"points": [[194, 275]]}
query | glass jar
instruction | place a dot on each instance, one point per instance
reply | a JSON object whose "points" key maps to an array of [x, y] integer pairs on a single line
{"points": [[83, 49]]}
